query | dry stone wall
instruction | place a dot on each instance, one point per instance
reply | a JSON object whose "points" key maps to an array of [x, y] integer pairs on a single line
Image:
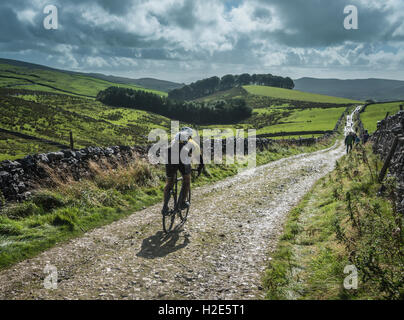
{"points": [[387, 130], [20, 177]]}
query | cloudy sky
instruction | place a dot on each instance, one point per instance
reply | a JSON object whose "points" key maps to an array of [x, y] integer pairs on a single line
{"points": [[185, 40]]}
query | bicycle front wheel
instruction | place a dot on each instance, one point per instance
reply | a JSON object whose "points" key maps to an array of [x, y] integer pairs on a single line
{"points": [[184, 213], [169, 217]]}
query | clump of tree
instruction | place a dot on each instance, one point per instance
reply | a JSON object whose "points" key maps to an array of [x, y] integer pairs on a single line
{"points": [[211, 85], [219, 111]]}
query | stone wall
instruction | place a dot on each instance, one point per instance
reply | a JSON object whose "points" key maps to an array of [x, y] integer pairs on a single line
{"points": [[20, 177], [383, 138]]}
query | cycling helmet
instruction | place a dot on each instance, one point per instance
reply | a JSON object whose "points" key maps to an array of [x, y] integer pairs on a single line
{"points": [[184, 134]]}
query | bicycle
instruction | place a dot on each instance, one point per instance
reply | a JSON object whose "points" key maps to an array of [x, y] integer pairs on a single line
{"points": [[173, 205]]}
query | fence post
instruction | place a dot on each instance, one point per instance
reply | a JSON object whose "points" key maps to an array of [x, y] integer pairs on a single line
{"points": [[388, 159], [71, 141]]}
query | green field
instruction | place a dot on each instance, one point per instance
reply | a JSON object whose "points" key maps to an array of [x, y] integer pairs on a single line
{"points": [[12, 147], [377, 112], [279, 119], [304, 120], [73, 83], [286, 94], [277, 110], [53, 117]]}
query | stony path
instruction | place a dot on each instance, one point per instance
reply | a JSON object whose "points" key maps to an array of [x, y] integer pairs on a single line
{"points": [[220, 253]]}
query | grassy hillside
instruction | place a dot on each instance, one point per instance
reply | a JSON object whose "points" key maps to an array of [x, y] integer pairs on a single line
{"points": [[71, 108], [13, 147], [376, 112], [286, 94], [303, 120], [53, 116], [56, 81], [280, 119], [275, 110]]}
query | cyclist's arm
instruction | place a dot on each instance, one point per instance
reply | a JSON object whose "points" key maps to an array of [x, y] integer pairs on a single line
{"points": [[197, 153]]}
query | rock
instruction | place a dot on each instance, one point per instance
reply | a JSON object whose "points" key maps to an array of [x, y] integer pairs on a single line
{"points": [[27, 195], [54, 156], [4, 175], [28, 161], [69, 154], [43, 158], [108, 151], [9, 165], [21, 186]]}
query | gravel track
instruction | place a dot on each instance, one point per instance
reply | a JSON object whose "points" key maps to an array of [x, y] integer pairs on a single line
{"points": [[220, 253]]}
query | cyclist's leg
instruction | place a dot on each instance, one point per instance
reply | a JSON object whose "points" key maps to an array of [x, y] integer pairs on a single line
{"points": [[186, 184], [170, 174]]}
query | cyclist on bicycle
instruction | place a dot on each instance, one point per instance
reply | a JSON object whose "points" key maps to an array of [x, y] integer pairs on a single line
{"points": [[186, 149]]}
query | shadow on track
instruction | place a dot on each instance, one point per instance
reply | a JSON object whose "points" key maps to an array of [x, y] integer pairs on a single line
{"points": [[161, 244]]}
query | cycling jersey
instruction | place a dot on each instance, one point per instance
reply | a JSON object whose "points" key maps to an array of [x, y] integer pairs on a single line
{"points": [[186, 153]]}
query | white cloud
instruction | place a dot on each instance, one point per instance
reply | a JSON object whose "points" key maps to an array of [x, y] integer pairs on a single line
{"points": [[192, 39]]}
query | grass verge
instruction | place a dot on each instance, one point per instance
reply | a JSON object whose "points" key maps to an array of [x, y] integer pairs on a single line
{"points": [[344, 220]]}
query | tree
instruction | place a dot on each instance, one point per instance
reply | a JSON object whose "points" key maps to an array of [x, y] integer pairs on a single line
{"points": [[211, 85], [227, 82], [244, 79]]}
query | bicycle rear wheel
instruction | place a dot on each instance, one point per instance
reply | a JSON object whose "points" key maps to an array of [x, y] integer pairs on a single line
{"points": [[184, 213], [169, 217]]}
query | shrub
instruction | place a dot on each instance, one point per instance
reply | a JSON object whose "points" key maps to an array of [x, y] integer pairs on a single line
{"points": [[48, 200], [66, 217], [10, 229], [22, 210]]}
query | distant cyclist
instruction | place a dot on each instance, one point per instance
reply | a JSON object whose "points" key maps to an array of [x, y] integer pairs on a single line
{"points": [[349, 141], [186, 149]]}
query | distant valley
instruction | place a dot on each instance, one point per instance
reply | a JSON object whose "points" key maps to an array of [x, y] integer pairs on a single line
{"points": [[357, 89]]}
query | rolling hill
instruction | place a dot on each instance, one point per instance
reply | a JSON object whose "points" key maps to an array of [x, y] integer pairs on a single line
{"points": [[296, 95], [40, 106], [357, 89], [147, 83], [51, 80], [53, 116]]}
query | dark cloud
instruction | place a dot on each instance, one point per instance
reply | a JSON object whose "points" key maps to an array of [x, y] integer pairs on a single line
{"points": [[10, 26], [204, 36], [182, 16], [320, 23]]}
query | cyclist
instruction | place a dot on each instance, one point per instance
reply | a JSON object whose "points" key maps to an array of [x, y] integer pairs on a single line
{"points": [[349, 141], [187, 149]]}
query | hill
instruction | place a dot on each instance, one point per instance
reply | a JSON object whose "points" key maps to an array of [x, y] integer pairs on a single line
{"points": [[35, 77], [295, 95], [146, 83], [357, 89], [39, 106], [209, 86], [284, 113], [47, 116]]}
